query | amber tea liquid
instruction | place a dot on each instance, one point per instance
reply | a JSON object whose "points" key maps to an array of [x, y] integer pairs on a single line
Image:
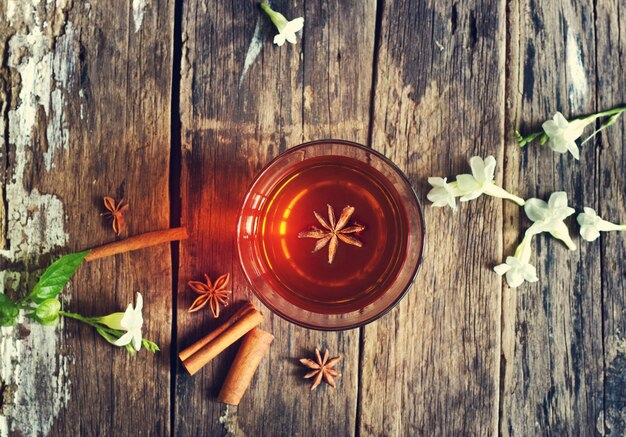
{"points": [[358, 275]]}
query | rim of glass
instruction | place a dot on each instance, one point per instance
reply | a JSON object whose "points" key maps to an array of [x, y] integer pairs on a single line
{"points": [[411, 278]]}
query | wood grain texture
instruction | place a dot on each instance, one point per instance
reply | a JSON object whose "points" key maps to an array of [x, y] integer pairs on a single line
{"points": [[244, 100], [552, 330], [85, 111], [431, 366], [610, 25], [89, 116]]}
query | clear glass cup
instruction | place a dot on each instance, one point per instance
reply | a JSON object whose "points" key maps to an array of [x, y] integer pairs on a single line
{"points": [[258, 229]]}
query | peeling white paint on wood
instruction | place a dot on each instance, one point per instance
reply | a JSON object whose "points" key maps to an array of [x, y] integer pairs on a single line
{"points": [[30, 213], [139, 8], [186, 78], [64, 73], [10, 10], [30, 365], [81, 94], [57, 131], [253, 50], [228, 420], [578, 87]]}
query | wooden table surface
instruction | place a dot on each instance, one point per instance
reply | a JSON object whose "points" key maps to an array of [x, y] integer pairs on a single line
{"points": [[176, 105]]}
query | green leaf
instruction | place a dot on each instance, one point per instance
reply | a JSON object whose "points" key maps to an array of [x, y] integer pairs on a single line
{"points": [[150, 346], [111, 335], [132, 352], [47, 313], [277, 18], [107, 335], [8, 311], [522, 141], [612, 119], [57, 276]]}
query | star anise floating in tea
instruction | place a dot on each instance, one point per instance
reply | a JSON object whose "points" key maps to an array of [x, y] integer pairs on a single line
{"points": [[322, 368], [115, 213], [333, 231], [215, 294]]}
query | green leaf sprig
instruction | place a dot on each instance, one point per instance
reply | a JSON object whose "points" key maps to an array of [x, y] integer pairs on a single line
{"points": [[9, 311], [111, 335], [561, 134], [42, 304], [56, 277]]}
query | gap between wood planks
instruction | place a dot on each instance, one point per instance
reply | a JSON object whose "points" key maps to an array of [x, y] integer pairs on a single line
{"points": [[596, 142], [505, 247], [380, 7], [175, 195]]}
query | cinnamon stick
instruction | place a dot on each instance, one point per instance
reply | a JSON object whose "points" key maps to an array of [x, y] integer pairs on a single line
{"points": [[137, 242], [186, 353], [224, 338], [254, 346]]}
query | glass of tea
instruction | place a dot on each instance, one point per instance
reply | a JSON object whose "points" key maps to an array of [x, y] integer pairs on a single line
{"points": [[330, 235]]}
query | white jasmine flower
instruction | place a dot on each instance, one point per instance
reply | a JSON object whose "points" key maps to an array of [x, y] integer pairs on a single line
{"points": [[130, 321], [591, 225], [563, 134], [516, 271], [481, 181], [517, 268], [550, 216], [286, 29], [443, 193]]}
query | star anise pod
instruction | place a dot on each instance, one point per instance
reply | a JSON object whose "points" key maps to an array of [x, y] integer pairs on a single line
{"points": [[115, 213], [323, 368], [215, 295], [333, 231]]}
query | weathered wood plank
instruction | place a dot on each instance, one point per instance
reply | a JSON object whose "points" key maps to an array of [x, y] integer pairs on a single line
{"points": [[610, 25], [431, 366], [89, 91], [552, 330], [5, 101], [244, 100]]}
